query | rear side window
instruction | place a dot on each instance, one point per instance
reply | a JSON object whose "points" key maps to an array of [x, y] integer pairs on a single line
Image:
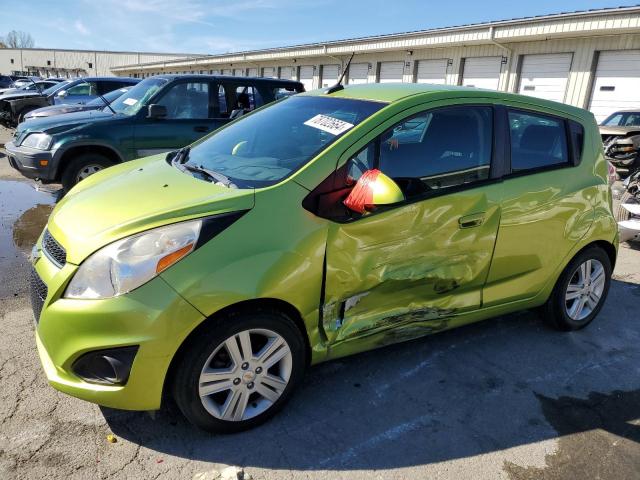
{"points": [[537, 141]]}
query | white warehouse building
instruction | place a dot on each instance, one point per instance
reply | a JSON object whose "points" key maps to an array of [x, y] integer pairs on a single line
{"points": [[589, 59], [50, 62]]}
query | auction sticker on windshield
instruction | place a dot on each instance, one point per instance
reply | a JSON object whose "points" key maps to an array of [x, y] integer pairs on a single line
{"points": [[329, 124], [130, 101]]}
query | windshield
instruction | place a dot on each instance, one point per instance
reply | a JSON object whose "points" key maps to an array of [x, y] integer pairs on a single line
{"points": [[54, 88], [109, 97], [267, 146], [623, 119], [135, 98]]}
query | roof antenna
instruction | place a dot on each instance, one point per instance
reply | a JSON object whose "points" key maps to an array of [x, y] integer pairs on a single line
{"points": [[338, 86]]}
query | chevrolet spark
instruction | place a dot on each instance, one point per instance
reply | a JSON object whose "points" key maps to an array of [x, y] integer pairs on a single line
{"points": [[327, 224]]}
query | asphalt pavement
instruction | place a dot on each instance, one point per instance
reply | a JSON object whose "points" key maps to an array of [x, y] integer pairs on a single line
{"points": [[507, 398]]}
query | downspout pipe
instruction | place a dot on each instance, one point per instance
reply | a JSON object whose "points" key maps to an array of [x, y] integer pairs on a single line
{"points": [[492, 39]]}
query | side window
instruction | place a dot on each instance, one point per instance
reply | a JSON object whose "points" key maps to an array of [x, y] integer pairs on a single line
{"points": [[222, 101], [89, 88], [439, 149], [614, 121], [281, 92], [188, 100], [430, 151], [537, 141], [245, 98], [109, 86]]}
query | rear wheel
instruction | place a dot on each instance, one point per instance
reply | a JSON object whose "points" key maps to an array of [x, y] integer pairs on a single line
{"points": [[241, 372], [580, 291], [82, 167]]}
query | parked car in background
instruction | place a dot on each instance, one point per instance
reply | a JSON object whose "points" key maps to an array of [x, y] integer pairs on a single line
{"points": [[20, 82], [160, 114], [6, 81], [621, 139], [37, 86], [310, 230], [14, 107], [96, 104]]}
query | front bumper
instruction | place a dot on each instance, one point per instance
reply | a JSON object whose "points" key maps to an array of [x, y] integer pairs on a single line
{"points": [[31, 162], [153, 317]]}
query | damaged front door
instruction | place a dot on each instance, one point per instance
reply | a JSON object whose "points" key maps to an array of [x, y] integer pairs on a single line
{"points": [[407, 269]]}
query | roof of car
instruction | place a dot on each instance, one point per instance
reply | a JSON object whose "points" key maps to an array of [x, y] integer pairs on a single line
{"points": [[200, 76], [393, 92], [126, 79], [627, 110]]}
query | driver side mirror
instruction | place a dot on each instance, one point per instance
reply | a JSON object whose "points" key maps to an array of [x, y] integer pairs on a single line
{"points": [[62, 93], [373, 189], [157, 111]]}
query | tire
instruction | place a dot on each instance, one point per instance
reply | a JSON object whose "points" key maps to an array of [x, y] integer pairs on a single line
{"points": [[81, 167], [627, 197], [557, 311], [24, 112], [217, 410]]}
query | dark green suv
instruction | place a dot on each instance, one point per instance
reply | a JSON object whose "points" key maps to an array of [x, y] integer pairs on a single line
{"points": [[159, 114]]}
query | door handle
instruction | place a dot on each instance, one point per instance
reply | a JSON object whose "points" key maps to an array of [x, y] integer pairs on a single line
{"points": [[200, 129], [470, 221]]}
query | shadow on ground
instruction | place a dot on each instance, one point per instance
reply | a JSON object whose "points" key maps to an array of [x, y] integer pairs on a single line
{"points": [[486, 387]]}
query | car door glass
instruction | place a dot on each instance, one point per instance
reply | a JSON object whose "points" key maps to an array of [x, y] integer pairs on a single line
{"points": [[537, 141], [89, 88], [438, 149], [188, 100], [222, 101], [633, 120]]}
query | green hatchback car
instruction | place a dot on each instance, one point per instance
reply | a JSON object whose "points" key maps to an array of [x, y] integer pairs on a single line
{"points": [[326, 224]]}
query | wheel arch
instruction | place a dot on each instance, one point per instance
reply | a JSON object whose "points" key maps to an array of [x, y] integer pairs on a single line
{"points": [[74, 150], [272, 304]]}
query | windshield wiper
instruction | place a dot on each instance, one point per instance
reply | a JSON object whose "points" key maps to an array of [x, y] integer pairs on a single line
{"points": [[217, 176]]}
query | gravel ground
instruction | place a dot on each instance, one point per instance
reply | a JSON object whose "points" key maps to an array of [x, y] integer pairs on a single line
{"points": [[506, 398]]}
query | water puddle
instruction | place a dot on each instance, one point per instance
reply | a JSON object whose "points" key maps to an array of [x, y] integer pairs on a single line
{"points": [[23, 214]]}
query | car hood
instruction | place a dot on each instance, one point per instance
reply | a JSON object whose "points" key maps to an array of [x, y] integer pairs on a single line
{"points": [[134, 197], [60, 123], [16, 96], [618, 130], [60, 109]]}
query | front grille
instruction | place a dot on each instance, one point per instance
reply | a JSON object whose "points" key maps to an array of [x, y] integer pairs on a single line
{"points": [[54, 251], [38, 293]]}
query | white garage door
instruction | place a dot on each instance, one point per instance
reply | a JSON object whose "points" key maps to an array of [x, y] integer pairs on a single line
{"points": [[330, 74], [391, 72], [482, 72], [252, 72], [214, 72], [238, 72], [545, 76], [269, 72], [432, 71], [227, 71], [358, 73], [306, 77], [617, 83], [286, 73]]}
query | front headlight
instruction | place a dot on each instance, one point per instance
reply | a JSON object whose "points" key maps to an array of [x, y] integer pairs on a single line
{"points": [[41, 141], [131, 262]]}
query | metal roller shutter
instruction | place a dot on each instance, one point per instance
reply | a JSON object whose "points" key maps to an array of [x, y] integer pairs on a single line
{"points": [[238, 72], [432, 71], [306, 77], [482, 72], [617, 83], [286, 73], [227, 71], [358, 73], [269, 72], [391, 72], [252, 72], [545, 76], [330, 74]]}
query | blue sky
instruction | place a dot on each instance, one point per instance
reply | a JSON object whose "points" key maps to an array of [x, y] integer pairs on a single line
{"points": [[214, 26]]}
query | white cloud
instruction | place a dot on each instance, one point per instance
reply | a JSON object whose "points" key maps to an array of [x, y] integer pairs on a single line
{"points": [[81, 28]]}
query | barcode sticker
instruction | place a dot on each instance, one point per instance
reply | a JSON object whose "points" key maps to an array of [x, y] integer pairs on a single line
{"points": [[329, 124]]}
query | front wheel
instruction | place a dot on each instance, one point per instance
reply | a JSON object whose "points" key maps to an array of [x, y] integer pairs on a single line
{"points": [[82, 167], [580, 291], [240, 372]]}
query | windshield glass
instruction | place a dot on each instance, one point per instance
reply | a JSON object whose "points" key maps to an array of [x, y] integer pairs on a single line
{"points": [[54, 88], [623, 119], [109, 97], [267, 146], [135, 98]]}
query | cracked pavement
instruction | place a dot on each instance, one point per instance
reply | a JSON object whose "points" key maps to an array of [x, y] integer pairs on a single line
{"points": [[506, 398]]}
